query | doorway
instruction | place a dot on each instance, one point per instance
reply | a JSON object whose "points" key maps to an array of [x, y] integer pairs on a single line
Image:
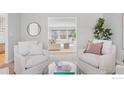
{"points": [[62, 37]]}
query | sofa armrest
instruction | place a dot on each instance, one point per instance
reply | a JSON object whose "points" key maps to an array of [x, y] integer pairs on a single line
{"points": [[108, 61], [19, 61]]}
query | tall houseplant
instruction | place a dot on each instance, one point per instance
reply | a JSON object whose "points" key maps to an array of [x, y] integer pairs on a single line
{"points": [[101, 32]]}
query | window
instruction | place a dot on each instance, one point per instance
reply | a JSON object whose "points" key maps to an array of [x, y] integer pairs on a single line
{"points": [[2, 23], [63, 31]]}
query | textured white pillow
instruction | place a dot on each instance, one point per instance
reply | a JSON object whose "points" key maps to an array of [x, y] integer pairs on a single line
{"points": [[25, 46], [107, 45], [36, 49]]}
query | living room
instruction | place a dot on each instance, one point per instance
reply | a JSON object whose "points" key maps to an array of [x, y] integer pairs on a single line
{"points": [[62, 46], [18, 24]]}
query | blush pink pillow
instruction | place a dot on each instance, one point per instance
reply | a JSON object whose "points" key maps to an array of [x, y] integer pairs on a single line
{"points": [[94, 48]]}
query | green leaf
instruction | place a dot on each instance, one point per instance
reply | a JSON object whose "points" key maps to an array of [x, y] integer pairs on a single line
{"points": [[100, 32]]}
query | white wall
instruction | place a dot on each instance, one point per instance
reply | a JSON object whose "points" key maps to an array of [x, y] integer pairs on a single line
{"points": [[34, 17], [85, 26], [13, 33], [114, 21]]}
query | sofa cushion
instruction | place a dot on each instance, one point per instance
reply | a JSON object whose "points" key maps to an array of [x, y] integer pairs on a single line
{"points": [[36, 49], [107, 45], [91, 59], [25, 46], [35, 60]]}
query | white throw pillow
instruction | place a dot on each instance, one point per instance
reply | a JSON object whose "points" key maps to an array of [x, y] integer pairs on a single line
{"points": [[25, 46], [107, 45], [36, 49]]}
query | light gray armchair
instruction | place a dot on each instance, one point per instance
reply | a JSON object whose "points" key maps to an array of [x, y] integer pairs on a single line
{"points": [[97, 64], [29, 64]]}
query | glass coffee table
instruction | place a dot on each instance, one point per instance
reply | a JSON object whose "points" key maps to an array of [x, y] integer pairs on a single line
{"points": [[62, 68]]}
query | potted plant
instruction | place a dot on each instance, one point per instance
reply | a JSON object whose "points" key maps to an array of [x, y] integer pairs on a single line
{"points": [[101, 32]]}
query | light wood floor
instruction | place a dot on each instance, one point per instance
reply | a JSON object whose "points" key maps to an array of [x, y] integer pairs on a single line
{"points": [[10, 66], [2, 58], [2, 64]]}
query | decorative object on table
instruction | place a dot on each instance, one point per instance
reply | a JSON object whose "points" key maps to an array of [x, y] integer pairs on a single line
{"points": [[66, 46], [65, 67], [58, 64], [101, 32], [62, 67], [52, 46], [33, 29]]}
